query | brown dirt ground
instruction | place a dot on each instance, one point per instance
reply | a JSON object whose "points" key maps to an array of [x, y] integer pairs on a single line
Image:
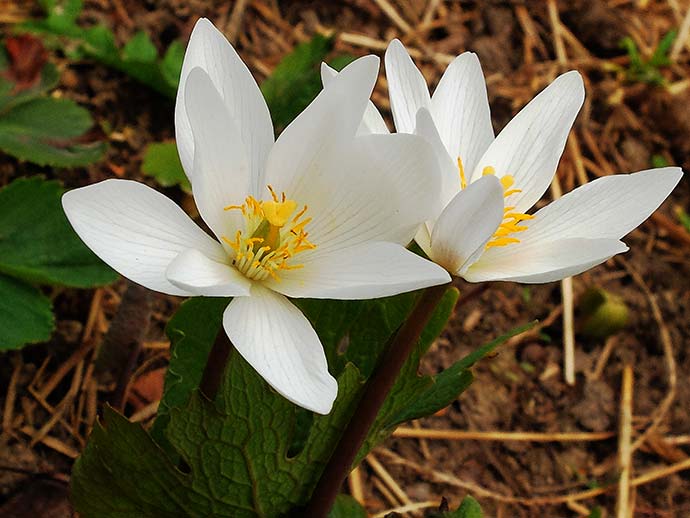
{"points": [[522, 46]]}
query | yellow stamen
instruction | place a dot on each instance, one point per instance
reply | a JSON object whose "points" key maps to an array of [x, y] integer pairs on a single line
{"points": [[271, 237], [463, 179], [510, 224]]}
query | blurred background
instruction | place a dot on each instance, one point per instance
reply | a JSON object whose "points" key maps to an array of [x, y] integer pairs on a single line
{"points": [[87, 93]]}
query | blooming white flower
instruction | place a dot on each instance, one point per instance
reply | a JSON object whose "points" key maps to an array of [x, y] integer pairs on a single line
{"points": [[482, 230], [320, 213]]}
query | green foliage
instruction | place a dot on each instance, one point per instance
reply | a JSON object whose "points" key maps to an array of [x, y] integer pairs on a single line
{"points": [[602, 314], [648, 70], [236, 456], [296, 80], [469, 508], [25, 314], [684, 218], [138, 58], [347, 507], [162, 162], [42, 129], [38, 245], [659, 161]]}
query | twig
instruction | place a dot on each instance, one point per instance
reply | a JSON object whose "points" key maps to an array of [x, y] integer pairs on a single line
{"points": [[624, 439], [667, 345], [8, 413], [395, 17], [603, 358], [481, 492], [556, 29], [418, 506], [568, 308], [233, 27], [471, 435], [387, 479], [356, 486], [682, 37]]}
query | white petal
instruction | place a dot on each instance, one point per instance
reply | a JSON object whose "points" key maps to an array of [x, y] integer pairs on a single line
{"points": [[280, 343], [448, 167], [531, 144], [466, 225], [365, 271], [211, 51], [136, 230], [372, 122], [608, 207], [380, 189], [423, 238], [542, 262], [407, 87], [221, 171], [460, 107], [328, 123], [193, 272]]}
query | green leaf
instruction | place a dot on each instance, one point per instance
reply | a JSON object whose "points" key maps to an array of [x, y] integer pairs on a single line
{"points": [[469, 508], [37, 243], [171, 66], [138, 58], [481, 352], [296, 80], [26, 314], [192, 331], [162, 162], [140, 48], [10, 98], [347, 507], [43, 131], [234, 453], [447, 386]]}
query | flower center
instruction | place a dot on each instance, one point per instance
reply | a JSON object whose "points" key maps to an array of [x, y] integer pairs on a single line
{"points": [[271, 237], [511, 220]]}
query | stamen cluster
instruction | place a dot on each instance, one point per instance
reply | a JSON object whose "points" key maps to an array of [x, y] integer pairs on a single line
{"points": [[511, 220], [270, 238]]}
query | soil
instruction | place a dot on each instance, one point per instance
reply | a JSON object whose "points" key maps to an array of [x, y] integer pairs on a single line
{"points": [[623, 126]]}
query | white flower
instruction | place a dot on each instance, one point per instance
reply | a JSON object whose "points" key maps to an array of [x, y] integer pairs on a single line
{"points": [[319, 213], [482, 230]]}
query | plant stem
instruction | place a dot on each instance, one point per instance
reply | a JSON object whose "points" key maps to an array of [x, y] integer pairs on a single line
{"points": [[375, 393], [215, 365]]}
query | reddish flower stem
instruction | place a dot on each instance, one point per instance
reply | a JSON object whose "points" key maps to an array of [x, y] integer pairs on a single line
{"points": [[375, 393]]}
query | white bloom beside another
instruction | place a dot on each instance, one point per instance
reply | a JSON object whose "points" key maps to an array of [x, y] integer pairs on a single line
{"points": [[319, 213], [481, 229]]}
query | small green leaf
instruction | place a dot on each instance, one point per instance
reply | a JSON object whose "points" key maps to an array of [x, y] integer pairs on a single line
{"points": [[140, 48], [602, 314], [26, 314], [469, 508], [162, 162], [43, 131], [347, 507], [659, 161], [100, 42], [296, 80], [171, 66], [38, 244]]}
